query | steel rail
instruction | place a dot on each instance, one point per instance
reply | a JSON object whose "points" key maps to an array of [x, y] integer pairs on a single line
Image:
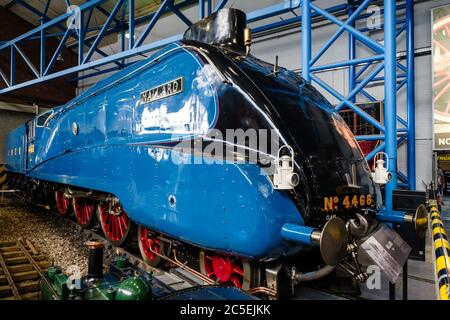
{"points": [[11, 283], [28, 256]]}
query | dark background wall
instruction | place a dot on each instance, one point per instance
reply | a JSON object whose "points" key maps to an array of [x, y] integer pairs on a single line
{"points": [[10, 120], [48, 94]]}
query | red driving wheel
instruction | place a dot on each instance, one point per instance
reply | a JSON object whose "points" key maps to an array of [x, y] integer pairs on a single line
{"points": [[150, 246], [84, 211], [62, 203], [226, 270], [114, 222]]}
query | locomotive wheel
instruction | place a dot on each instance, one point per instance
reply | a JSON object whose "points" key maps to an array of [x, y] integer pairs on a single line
{"points": [[62, 203], [229, 270], [84, 211], [115, 223], [148, 241]]}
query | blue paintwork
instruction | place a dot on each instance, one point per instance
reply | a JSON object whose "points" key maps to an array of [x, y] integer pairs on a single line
{"points": [[119, 149], [297, 233], [394, 216], [15, 149]]}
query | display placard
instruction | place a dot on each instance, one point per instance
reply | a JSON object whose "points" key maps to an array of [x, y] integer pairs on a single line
{"points": [[388, 250]]}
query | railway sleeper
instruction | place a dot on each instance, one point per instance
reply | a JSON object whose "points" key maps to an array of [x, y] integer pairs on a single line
{"points": [[22, 287], [26, 267], [22, 276], [8, 249], [26, 296], [22, 260], [7, 244], [27, 275], [14, 254]]}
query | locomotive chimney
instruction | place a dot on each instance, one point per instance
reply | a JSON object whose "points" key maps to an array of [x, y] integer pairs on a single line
{"points": [[226, 28], [95, 260]]}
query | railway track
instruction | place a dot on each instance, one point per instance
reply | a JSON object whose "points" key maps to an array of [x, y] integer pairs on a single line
{"points": [[21, 267]]}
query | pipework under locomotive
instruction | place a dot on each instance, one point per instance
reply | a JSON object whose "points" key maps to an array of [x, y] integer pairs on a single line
{"points": [[109, 156]]}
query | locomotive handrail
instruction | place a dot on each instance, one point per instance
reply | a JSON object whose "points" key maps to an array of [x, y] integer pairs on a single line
{"points": [[144, 66]]}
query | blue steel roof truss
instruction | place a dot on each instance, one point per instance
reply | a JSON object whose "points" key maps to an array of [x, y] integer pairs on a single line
{"points": [[394, 130], [362, 71]]}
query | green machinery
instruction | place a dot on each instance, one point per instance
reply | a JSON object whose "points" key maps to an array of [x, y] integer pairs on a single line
{"points": [[124, 281]]}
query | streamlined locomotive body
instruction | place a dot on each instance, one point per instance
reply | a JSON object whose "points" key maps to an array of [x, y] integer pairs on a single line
{"points": [[131, 150]]}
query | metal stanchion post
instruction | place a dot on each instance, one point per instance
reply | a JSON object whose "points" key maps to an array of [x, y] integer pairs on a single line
{"points": [[391, 291], [405, 281]]}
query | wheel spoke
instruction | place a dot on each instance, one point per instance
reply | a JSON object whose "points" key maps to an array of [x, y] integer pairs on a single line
{"points": [[122, 221], [119, 227], [149, 245], [236, 282], [116, 228], [237, 270], [85, 212], [110, 223], [61, 202]]}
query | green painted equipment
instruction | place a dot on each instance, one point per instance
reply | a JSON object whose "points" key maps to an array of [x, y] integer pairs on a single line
{"points": [[124, 281]]}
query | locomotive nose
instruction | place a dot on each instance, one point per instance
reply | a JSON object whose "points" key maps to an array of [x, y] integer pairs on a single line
{"points": [[332, 239]]}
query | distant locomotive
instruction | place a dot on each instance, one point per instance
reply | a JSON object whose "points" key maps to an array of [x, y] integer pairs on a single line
{"points": [[109, 155]]}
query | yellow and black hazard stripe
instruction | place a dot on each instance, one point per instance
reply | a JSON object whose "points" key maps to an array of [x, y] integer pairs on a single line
{"points": [[441, 251], [3, 179]]}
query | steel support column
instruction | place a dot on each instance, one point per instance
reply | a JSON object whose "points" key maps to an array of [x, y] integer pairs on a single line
{"points": [[411, 105], [306, 40], [390, 94], [351, 54]]}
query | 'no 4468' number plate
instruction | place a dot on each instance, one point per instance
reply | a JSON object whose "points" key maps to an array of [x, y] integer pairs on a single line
{"points": [[348, 202]]}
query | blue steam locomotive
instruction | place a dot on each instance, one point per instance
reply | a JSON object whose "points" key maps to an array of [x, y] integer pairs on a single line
{"points": [[130, 153]]}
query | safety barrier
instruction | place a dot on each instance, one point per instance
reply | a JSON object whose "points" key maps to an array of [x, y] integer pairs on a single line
{"points": [[441, 251], [3, 179]]}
